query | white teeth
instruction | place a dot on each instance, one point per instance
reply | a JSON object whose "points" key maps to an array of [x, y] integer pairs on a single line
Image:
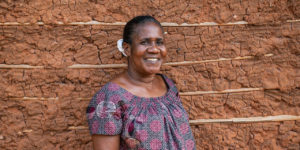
{"points": [[152, 59]]}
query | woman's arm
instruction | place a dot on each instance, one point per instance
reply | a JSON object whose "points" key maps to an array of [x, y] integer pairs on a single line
{"points": [[106, 142]]}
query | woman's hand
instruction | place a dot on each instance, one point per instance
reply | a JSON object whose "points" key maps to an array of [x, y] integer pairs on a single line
{"points": [[106, 142]]}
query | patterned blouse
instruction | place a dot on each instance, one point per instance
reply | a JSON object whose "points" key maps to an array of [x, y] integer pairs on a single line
{"points": [[158, 123]]}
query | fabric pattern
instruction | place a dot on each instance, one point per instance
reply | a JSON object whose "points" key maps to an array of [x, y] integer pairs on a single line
{"points": [[143, 123]]}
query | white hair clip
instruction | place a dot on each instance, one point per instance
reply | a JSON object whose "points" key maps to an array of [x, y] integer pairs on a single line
{"points": [[120, 47]]}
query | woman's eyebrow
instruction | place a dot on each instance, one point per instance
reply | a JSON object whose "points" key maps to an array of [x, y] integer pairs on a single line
{"points": [[148, 39]]}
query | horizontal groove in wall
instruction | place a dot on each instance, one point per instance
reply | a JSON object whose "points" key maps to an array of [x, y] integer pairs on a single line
{"points": [[297, 20], [231, 120], [105, 66], [33, 98], [213, 60], [220, 92], [180, 93], [27, 131], [246, 120], [84, 98], [87, 66], [77, 127], [169, 24], [5, 66], [165, 24]]}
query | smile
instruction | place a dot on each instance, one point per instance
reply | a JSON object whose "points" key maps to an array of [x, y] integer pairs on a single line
{"points": [[152, 59]]}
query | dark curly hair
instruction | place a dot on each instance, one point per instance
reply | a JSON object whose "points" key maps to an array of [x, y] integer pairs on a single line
{"points": [[130, 26]]}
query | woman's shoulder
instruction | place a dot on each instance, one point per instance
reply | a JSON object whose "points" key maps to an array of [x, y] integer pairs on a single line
{"points": [[168, 80], [107, 88], [110, 92], [111, 87]]}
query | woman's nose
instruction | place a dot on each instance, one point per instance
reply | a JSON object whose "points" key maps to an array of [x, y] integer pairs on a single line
{"points": [[153, 48]]}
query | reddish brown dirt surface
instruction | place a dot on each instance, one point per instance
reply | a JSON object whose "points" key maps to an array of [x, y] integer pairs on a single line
{"points": [[44, 108]]}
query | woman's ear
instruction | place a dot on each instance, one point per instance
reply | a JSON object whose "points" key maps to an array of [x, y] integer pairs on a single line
{"points": [[126, 48]]}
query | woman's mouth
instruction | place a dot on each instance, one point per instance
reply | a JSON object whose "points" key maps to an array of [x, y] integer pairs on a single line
{"points": [[152, 60]]}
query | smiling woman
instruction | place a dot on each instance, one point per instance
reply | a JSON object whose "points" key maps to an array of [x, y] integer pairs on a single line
{"points": [[140, 109], [147, 49]]}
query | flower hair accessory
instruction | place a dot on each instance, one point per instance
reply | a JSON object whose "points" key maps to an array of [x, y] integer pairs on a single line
{"points": [[120, 47]]}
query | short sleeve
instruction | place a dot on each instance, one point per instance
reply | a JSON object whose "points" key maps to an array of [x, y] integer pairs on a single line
{"points": [[172, 87], [104, 113]]}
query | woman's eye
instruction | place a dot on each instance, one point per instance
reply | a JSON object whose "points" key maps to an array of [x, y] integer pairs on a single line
{"points": [[143, 42], [159, 42]]}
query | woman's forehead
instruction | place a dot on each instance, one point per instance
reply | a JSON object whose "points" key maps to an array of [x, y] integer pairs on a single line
{"points": [[148, 30]]}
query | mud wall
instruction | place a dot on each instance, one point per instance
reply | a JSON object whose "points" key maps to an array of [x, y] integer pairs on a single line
{"points": [[241, 61]]}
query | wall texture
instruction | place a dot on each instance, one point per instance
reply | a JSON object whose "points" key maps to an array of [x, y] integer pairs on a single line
{"points": [[232, 60]]}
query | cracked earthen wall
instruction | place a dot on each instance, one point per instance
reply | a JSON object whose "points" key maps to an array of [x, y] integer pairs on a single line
{"points": [[232, 60]]}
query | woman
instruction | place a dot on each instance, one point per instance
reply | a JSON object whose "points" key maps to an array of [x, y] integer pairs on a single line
{"points": [[140, 109]]}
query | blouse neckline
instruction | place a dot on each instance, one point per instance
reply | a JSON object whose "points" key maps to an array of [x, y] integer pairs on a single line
{"points": [[150, 98]]}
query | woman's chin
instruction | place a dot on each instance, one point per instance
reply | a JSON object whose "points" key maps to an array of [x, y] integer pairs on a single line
{"points": [[148, 68], [153, 70]]}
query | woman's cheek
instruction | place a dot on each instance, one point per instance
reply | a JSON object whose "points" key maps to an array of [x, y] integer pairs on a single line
{"points": [[164, 52]]}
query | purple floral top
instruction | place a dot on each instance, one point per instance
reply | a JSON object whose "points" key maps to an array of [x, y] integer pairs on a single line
{"points": [[143, 123]]}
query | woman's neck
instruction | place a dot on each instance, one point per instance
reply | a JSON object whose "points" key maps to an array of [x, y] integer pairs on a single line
{"points": [[140, 79]]}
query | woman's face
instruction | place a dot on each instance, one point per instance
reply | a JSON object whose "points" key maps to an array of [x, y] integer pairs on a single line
{"points": [[147, 49]]}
